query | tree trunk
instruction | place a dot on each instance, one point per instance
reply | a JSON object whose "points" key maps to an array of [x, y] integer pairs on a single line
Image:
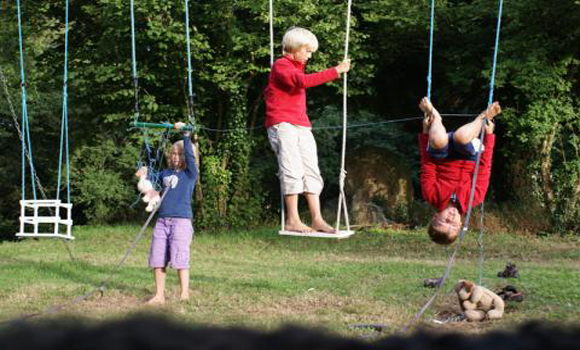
{"points": [[546, 170]]}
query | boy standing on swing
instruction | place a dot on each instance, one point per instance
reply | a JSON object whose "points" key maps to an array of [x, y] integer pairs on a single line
{"points": [[448, 167], [289, 129]]}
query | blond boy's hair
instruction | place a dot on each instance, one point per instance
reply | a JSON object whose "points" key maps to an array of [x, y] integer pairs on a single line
{"points": [[296, 37]]}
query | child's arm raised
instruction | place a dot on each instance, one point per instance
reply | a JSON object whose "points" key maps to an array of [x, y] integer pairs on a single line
{"points": [[190, 165], [485, 166]]}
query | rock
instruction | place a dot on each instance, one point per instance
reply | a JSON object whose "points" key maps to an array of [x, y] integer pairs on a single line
{"points": [[379, 186]]}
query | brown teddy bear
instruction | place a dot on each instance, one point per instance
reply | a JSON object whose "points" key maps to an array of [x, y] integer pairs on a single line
{"points": [[477, 302]]}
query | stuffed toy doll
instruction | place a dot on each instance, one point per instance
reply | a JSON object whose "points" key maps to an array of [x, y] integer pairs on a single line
{"points": [[477, 302], [150, 196]]}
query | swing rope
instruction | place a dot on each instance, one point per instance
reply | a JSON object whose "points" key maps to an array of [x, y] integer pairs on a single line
{"points": [[25, 133], [473, 183], [271, 17], [189, 79], [430, 71], [152, 161], [271, 20], [64, 124], [342, 175], [26, 145], [489, 103], [134, 63]]}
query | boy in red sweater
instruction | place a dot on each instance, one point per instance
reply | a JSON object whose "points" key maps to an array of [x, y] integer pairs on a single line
{"points": [[289, 129], [448, 166]]}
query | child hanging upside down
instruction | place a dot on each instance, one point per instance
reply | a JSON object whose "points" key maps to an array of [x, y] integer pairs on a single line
{"points": [[448, 165], [289, 129]]}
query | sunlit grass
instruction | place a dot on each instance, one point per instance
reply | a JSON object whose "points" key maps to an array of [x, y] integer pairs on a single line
{"points": [[261, 280]]}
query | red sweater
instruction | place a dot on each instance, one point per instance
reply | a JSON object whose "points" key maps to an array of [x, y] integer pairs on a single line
{"points": [[441, 178], [285, 94]]}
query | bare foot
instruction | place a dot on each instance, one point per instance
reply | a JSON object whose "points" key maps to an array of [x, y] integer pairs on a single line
{"points": [[322, 226], [184, 297], [156, 300], [426, 106], [493, 110], [297, 227]]}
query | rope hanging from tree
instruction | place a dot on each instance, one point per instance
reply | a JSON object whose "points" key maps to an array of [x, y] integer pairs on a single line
{"points": [[25, 140]]}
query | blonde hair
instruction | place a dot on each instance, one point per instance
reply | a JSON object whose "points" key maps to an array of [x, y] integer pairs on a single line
{"points": [[177, 147], [296, 37]]}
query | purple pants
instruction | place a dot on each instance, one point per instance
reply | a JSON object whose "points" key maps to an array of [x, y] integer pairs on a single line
{"points": [[170, 243]]}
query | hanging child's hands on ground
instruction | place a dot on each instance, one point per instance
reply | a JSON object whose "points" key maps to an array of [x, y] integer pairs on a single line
{"points": [[343, 66]]}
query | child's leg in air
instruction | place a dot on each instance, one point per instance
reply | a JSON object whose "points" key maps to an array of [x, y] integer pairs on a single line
{"points": [[469, 131], [437, 133]]}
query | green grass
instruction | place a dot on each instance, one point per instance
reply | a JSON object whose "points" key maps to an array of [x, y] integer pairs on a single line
{"points": [[260, 280]]}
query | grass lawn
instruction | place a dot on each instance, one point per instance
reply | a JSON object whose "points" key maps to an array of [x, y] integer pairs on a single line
{"points": [[260, 280]]}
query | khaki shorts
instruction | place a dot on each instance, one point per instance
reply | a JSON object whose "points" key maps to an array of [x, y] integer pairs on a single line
{"points": [[296, 152]]}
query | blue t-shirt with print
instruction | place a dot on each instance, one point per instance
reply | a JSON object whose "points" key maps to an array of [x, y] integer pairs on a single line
{"points": [[177, 201]]}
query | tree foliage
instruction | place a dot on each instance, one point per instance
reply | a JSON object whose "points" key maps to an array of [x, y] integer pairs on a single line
{"points": [[537, 83]]}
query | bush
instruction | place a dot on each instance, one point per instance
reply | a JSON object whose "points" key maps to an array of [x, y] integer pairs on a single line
{"points": [[103, 180]]}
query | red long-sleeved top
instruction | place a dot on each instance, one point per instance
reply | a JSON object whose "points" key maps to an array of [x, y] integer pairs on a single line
{"points": [[441, 178], [285, 95]]}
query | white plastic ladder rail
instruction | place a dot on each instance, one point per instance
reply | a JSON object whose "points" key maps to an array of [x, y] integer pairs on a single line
{"points": [[29, 216]]}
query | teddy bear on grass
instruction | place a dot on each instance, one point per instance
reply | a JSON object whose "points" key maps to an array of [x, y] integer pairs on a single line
{"points": [[150, 196], [478, 303]]}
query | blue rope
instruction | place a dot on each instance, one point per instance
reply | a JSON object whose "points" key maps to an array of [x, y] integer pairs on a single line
{"points": [[489, 102], [64, 123], [496, 49], [134, 62], [429, 74], [25, 126], [189, 80]]}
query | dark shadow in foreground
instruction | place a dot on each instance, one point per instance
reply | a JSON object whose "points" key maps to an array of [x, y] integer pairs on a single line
{"points": [[144, 332]]}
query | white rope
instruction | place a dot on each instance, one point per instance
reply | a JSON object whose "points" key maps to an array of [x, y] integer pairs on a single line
{"points": [[342, 176], [271, 33], [282, 204]]}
